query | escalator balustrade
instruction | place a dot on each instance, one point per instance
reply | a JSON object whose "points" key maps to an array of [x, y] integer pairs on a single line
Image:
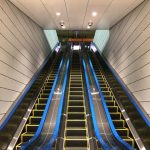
{"points": [[39, 106]]}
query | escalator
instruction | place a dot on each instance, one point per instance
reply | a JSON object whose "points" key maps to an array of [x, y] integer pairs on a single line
{"points": [[76, 129], [33, 121], [8, 131], [113, 107], [140, 125]]}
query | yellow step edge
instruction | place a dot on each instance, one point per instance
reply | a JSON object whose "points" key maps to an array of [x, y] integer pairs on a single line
{"points": [[76, 120], [79, 128]]}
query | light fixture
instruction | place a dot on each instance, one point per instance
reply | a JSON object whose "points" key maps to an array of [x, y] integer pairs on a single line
{"points": [[90, 23], [88, 27], [64, 27], [94, 13], [58, 14]]}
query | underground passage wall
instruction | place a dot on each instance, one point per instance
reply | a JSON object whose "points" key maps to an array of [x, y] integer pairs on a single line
{"points": [[23, 48], [128, 52]]}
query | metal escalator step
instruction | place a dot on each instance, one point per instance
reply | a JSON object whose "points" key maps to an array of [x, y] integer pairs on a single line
{"points": [[119, 123], [37, 113], [75, 97], [76, 103], [73, 85], [75, 123], [76, 89], [47, 91], [107, 93], [44, 95], [128, 140], [47, 87], [123, 131], [76, 93], [40, 106], [42, 100], [115, 116], [105, 89], [110, 103], [113, 108], [26, 136], [34, 120], [76, 116], [31, 127], [76, 109], [76, 133], [107, 97], [76, 143]]}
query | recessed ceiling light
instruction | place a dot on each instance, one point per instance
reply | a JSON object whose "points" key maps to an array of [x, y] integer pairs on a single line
{"points": [[88, 27], [94, 13], [58, 14], [64, 27]]}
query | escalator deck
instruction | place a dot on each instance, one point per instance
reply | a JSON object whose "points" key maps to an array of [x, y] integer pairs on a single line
{"points": [[76, 131], [36, 114]]}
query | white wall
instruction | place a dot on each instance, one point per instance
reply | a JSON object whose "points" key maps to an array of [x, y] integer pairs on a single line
{"points": [[52, 37], [101, 38], [23, 48], [128, 51]]}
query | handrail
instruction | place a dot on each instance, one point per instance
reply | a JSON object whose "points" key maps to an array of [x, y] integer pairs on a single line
{"points": [[98, 135], [5, 121], [131, 98], [56, 130], [40, 127], [116, 135]]}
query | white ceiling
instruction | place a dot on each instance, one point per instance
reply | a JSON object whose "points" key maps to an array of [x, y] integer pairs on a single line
{"points": [[76, 13]]}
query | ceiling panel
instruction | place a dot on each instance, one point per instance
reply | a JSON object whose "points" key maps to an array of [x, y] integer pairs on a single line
{"points": [[76, 13]]}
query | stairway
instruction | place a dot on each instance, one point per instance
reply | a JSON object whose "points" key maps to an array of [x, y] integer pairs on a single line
{"points": [[114, 110], [76, 130], [39, 106]]}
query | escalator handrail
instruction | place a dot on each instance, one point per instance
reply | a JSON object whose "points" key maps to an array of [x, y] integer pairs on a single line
{"points": [[98, 135], [20, 99], [58, 121], [40, 127], [116, 135]]}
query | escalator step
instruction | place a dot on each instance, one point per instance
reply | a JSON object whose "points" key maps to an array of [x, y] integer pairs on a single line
{"points": [[80, 123], [75, 88], [107, 97], [113, 108], [25, 137], [73, 85], [37, 113], [31, 128], [76, 109], [119, 123], [76, 103], [35, 120], [78, 143], [76, 133], [75, 97], [42, 100], [76, 93], [40, 106], [128, 140], [123, 131], [77, 116], [110, 103], [44, 95], [115, 116]]}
